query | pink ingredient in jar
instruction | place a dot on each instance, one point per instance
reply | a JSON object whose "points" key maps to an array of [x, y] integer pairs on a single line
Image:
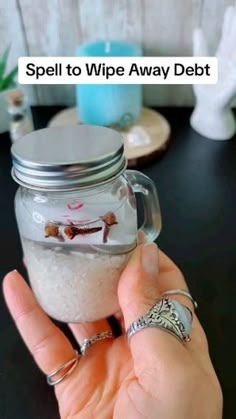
{"points": [[75, 206]]}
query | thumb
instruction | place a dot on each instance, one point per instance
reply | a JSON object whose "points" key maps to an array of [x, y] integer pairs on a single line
{"points": [[138, 290], [200, 48], [137, 293]]}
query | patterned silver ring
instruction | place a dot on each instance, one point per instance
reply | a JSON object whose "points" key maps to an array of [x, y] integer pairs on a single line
{"points": [[72, 364], [95, 338], [169, 315], [184, 293]]}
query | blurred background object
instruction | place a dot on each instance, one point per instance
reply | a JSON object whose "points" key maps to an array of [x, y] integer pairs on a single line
{"points": [[215, 101], [7, 84], [57, 27], [145, 132], [111, 104], [20, 117]]}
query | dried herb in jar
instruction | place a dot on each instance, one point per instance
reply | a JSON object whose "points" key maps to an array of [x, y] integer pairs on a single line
{"points": [[109, 220], [52, 230], [71, 231]]}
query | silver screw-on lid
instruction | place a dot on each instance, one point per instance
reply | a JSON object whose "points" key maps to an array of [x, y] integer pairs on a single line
{"points": [[68, 158]]}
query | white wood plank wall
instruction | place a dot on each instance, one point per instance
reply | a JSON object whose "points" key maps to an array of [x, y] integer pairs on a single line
{"points": [[57, 27]]}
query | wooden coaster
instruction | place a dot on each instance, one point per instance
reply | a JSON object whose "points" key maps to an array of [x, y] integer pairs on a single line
{"points": [[143, 142]]}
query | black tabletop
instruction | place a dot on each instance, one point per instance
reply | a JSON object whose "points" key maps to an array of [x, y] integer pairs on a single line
{"points": [[196, 181]]}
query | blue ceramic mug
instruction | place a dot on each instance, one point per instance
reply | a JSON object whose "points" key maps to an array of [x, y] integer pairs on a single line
{"points": [[109, 104]]}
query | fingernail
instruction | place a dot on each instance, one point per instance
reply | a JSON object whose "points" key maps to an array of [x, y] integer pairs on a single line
{"points": [[150, 259], [15, 270]]}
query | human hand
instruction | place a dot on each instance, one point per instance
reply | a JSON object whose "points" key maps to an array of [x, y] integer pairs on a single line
{"points": [[212, 116], [155, 377]]}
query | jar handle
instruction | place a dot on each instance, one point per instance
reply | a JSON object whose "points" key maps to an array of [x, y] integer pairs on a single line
{"points": [[140, 183]]}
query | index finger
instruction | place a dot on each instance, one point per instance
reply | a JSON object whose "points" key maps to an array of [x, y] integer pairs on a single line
{"points": [[48, 345]]}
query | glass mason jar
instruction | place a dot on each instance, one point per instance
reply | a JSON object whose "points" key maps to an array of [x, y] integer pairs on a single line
{"points": [[77, 217]]}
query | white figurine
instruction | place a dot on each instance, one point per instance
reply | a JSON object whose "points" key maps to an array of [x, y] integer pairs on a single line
{"points": [[212, 116]]}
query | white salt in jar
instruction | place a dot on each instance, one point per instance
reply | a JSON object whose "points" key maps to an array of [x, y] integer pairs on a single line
{"points": [[77, 217]]}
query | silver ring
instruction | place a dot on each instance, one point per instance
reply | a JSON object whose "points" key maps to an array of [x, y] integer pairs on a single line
{"points": [[72, 364], [184, 293], [95, 338], [166, 314]]}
